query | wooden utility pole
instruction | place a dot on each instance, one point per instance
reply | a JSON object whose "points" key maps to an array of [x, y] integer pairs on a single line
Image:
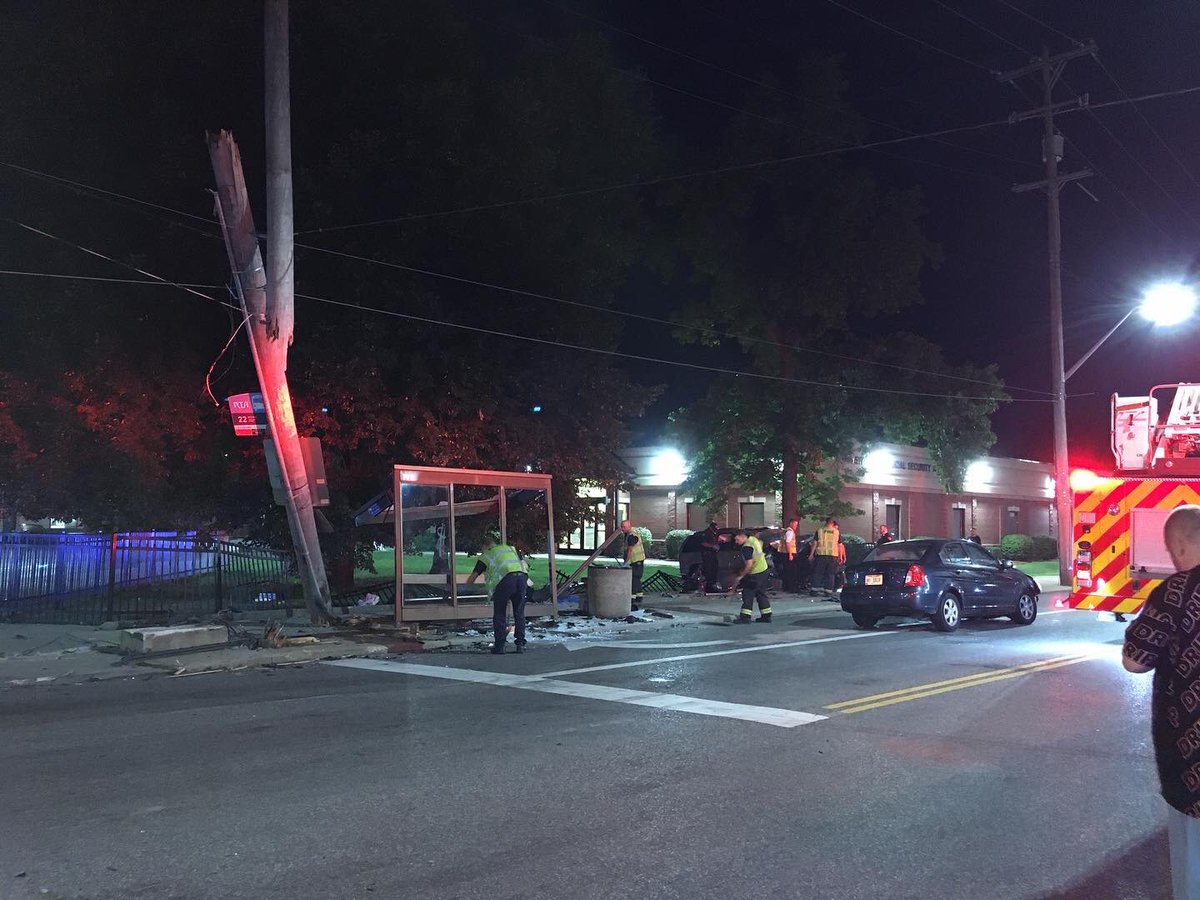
{"points": [[267, 297], [1050, 69]]}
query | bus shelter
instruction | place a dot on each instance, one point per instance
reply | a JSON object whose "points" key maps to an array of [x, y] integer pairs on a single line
{"points": [[440, 516]]}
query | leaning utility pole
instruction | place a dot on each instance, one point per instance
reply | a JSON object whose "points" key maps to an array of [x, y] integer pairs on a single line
{"points": [[267, 297], [1050, 69]]}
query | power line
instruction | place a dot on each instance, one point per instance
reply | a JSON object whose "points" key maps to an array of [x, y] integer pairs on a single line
{"points": [[767, 85], [1045, 25], [722, 170], [180, 284], [46, 176], [1136, 160], [476, 329], [459, 279], [913, 38], [962, 15], [662, 179], [118, 262], [645, 318], [746, 112], [1179, 162]]}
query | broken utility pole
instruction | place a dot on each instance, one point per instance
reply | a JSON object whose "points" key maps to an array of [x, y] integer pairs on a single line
{"points": [[1050, 68], [267, 297]]}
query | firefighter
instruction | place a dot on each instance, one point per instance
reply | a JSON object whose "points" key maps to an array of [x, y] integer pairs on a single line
{"points": [[824, 555], [635, 558], [754, 568], [506, 583], [786, 558]]}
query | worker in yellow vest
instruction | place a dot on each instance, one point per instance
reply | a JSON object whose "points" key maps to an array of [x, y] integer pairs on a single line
{"points": [[824, 554], [635, 558], [752, 578], [505, 577]]}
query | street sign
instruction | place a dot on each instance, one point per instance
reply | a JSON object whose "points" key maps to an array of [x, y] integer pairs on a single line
{"points": [[249, 414]]}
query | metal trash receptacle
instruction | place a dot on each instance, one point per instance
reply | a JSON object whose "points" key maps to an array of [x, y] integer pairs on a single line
{"points": [[609, 592]]}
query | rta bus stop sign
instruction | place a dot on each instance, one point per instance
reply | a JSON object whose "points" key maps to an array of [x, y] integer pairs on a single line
{"points": [[249, 415]]}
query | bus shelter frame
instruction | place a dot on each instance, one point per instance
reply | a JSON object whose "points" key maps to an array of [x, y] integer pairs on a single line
{"points": [[431, 476]]}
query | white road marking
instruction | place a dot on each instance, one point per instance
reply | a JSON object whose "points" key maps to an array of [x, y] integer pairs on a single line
{"points": [[641, 645], [755, 649], [766, 715]]}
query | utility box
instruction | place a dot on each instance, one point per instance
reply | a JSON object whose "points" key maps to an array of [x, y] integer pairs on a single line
{"points": [[314, 465]]}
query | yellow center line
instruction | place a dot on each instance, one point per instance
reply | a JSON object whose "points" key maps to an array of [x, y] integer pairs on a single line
{"points": [[861, 704]]}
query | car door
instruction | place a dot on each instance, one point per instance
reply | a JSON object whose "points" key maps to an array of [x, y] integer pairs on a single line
{"points": [[961, 573], [998, 586]]}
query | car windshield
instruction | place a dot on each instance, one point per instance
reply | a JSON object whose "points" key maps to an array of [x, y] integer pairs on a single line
{"points": [[904, 552]]}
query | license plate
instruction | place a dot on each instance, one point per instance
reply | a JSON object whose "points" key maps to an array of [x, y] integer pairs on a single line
{"points": [[873, 580]]}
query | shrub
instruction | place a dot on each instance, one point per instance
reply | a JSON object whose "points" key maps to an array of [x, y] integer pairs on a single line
{"points": [[675, 540], [1044, 547], [646, 535], [1017, 546]]}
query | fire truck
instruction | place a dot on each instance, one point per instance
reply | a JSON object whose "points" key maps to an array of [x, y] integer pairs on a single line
{"points": [[1119, 555]]}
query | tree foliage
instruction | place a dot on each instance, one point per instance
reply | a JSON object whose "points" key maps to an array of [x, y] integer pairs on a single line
{"points": [[815, 266]]}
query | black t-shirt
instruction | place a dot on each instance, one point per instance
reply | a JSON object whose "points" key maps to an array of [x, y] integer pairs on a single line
{"points": [[693, 543], [1166, 636], [631, 539], [747, 552], [976, 539]]}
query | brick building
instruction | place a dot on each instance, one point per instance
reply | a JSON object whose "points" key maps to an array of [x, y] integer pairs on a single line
{"points": [[1000, 496]]}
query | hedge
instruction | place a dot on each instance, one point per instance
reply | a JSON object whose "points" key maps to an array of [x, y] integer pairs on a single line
{"points": [[675, 540], [1028, 548]]}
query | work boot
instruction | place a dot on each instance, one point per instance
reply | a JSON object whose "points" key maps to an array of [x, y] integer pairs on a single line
{"points": [[520, 646], [742, 620], [498, 650], [766, 618]]}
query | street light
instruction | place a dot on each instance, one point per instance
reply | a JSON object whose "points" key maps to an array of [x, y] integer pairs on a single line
{"points": [[1163, 304]]}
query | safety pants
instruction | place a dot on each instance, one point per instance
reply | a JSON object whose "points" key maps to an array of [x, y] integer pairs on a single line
{"points": [[824, 570], [636, 568], [754, 590], [511, 589]]}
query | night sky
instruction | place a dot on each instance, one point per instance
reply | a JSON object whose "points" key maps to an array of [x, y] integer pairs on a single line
{"points": [[987, 301]]}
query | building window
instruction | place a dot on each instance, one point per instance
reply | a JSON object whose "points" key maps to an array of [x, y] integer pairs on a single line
{"points": [[697, 517], [754, 515]]}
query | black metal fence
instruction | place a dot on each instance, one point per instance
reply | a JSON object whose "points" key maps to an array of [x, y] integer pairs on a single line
{"points": [[145, 578]]}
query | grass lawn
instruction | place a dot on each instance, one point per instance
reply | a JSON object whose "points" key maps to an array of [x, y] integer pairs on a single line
{"points": [[1042, 567], [539, 567]]}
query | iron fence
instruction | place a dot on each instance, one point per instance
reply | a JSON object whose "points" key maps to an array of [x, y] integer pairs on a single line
{"points": [[145, 578]]}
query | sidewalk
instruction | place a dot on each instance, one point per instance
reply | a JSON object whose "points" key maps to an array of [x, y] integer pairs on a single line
{"points": [[72, 654]]}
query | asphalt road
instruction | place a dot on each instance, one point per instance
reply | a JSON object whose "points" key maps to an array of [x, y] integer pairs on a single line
{"points": [[801, 759]]}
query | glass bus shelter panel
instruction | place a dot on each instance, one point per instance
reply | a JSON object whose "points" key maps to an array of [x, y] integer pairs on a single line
{"points": [[423, 570]]}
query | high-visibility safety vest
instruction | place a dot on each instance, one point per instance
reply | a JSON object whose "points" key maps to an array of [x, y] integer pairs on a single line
{"points": [[500, 560], [637, 552], [788, 544], [827, 541], [758, 563]]}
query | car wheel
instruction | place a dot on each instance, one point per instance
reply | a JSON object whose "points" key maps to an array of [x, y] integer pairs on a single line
{"points": [[949, 613], [865, 621], [1026, 610]]}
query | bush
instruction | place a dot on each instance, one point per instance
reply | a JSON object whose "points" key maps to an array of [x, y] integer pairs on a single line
{"points": [[646, 535], [675, 540], [1044, 547], [1017, 546]]}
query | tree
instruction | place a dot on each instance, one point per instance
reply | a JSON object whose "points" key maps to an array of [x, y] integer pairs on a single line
{"points": [[809, 263]]}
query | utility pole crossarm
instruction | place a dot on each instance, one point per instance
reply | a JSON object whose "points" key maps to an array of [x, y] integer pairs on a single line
{"points": [[1062, 106], [1037, 66], [1062, 179]]}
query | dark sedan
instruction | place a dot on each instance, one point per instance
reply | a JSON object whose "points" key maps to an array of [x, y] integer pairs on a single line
{"points": [[945, 581]]}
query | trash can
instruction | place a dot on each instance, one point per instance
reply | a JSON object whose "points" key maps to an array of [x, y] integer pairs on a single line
{"points": [[609, 591]]}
